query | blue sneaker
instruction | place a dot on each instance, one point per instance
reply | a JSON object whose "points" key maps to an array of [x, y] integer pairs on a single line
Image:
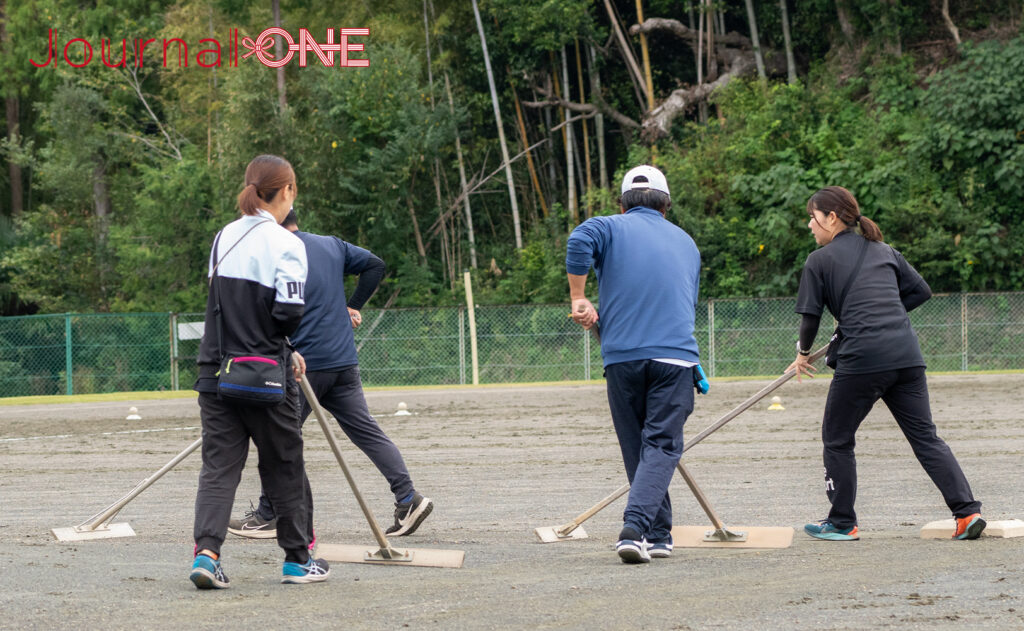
{"points": [[208, 574], [631, 547], [313, 571], [825, 529], [660, 549]]}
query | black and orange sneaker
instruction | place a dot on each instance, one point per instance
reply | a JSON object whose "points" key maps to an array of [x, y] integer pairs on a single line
{"points": [[969, 527]]}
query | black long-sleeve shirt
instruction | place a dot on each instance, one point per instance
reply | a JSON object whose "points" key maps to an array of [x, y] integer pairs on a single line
{"points": [[873, 318]]}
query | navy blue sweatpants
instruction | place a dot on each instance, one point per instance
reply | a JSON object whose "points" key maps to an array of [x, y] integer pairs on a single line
{"points": [[340, 392], [650, 402]]}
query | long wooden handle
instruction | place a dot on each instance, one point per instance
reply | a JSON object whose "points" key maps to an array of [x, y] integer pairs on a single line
{"points": [[701, 498], [742, 407], [321, 417], [105, 515], [762, 393]]}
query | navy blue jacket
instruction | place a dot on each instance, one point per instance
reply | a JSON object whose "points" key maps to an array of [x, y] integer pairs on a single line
{"points": [[648, 275], [324, 337]]}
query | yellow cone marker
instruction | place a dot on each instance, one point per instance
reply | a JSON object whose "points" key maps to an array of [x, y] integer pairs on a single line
{"points": [[776, 404]]}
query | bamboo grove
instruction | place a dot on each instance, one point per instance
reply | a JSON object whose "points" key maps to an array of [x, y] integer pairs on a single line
{"points": [[483, 131]]}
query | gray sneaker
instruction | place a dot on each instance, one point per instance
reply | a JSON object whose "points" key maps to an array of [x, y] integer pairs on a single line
{"points": [[252, 526], [409, 515]]}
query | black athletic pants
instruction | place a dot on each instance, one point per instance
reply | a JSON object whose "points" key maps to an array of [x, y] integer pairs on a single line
{"points": [[905, 393], [277, 433], [340, 392]]}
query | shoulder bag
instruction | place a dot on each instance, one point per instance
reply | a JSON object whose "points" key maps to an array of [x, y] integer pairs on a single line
{"points": [[243, 377]]}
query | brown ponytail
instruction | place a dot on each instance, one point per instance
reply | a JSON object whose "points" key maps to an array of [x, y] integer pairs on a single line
{"points": [[264, 177], [838, 200]]}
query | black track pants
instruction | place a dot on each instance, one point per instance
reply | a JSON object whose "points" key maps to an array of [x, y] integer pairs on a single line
{"points": [[277, 434], [340, 392], [905, 393]]}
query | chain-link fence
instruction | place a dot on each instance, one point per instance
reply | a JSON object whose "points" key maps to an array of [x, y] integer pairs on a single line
{"points": [[88, 353]]}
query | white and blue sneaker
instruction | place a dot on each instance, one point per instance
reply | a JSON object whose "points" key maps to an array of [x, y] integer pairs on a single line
{"points": [[208, 574], [312, 571], [660, 549], [632, 548]]}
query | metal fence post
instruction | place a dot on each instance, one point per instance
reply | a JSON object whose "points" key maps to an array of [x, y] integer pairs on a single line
{"points": [[963, 331], [174, 351], [67, 354], [711, 336], [462, 346], [586, 354]]}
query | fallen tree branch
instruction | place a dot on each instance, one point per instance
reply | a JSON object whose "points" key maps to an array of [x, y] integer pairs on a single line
{"points": [[682, 31], [658, 122], [599, 106], [589, 109]]}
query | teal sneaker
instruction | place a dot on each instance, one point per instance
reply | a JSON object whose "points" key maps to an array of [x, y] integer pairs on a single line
{"points": [[825, 529], [208, 574], [313, 571]]}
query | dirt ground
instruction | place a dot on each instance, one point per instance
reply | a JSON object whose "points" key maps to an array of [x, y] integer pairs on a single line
{"points": [[500, 461]]}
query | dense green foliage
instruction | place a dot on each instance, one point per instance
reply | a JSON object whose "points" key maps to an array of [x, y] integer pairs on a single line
{"points": [[126, 176]]}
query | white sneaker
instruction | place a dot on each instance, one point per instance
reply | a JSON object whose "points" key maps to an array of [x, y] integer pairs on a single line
{"points": [[632, 548]]}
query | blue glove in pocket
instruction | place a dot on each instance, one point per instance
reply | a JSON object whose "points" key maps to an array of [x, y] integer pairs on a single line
{"points": [[700, 380]]}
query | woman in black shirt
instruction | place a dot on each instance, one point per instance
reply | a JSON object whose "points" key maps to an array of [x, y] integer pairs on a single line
{"points": [[869, 287]]}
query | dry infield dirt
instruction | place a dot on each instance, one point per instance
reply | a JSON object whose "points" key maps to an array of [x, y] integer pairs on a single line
{"points": [[500, 461]]}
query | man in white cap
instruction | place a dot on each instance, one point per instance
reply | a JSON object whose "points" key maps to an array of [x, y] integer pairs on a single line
{"points": [[648, 274]]}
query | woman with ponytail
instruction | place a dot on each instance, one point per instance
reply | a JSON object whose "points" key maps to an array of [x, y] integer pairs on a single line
{"points": [[869, 288], [257, 272]]}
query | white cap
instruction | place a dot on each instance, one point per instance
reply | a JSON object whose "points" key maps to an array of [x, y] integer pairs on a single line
{"points": [[653, 179]]}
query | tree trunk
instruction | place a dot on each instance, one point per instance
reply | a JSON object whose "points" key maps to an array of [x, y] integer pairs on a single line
{"points": [[529, 155], [569, 145], [279, 52], [845, 23], [14, 169], [462, 165], [501, 131], [627, 54], [449, 264], [949, 22], [712, 57], [13, 114], [752, 19], [595, 88], [586, 137], [552, 174], [415, 222], [790, 63], [462, 179], [101, 205], [646, 57], [702, 108]]}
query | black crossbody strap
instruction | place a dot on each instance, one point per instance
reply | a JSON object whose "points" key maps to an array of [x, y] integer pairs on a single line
{"points": [[213, 274], [215, 241], [849, 281]]}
